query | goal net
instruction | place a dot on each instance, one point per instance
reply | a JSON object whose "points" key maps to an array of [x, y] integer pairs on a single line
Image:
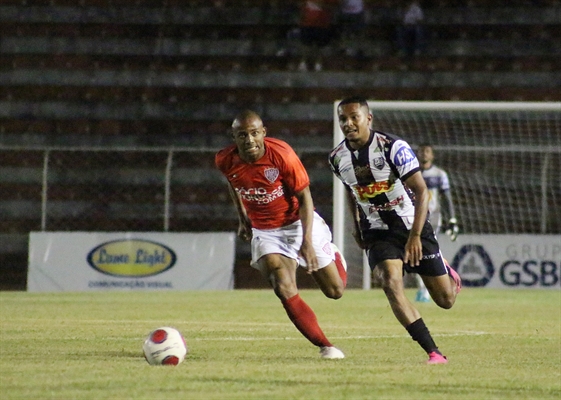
{"points": [[503, 161]]}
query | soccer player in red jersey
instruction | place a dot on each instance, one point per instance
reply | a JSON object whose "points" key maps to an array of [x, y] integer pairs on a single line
{"points": [[270, 189]]}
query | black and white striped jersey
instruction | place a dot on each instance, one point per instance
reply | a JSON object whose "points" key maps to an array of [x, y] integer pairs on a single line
{"points": [[374, 175]]}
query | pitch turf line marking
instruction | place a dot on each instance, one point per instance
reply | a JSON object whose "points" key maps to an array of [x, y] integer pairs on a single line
{"points": [[360, 337], [149, 321]]}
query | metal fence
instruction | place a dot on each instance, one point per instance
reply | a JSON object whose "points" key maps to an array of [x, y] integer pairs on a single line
{"points": [[124, 189], [179, 189], [93, 189]]}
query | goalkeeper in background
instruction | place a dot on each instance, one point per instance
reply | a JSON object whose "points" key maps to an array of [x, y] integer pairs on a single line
{"points": [[441, 207]]}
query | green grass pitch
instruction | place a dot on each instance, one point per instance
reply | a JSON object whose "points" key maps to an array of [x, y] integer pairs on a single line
{"points": [[502, 344]]}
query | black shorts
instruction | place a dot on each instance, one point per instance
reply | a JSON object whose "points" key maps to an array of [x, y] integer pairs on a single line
{"points": [[311, 35], [390, 245]]}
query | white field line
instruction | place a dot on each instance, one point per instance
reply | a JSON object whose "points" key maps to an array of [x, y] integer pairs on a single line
{"points": [[360, 337], [175, 322], [250, 327]]}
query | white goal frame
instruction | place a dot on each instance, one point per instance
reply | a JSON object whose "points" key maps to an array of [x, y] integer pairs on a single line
{"points": [[340, 208]]}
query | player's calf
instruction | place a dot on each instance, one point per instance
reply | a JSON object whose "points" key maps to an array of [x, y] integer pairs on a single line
{"points": [[340, 263], [332, 288], [441, 291], [329, 281]]}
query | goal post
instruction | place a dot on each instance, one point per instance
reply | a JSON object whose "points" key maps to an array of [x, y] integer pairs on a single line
{"points": [[503, 160]]}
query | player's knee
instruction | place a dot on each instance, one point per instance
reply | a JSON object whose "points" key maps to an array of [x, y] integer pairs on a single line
{"points": [[391, 286], [285, 292], [446, 304], [445, 301], [283, 287], [335, 292]]}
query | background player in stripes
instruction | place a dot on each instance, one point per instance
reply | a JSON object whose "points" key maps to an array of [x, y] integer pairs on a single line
{"points": [[441, 207]]}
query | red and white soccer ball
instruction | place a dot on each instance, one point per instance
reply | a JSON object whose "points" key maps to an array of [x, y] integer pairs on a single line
{"points": [[165, 346]]}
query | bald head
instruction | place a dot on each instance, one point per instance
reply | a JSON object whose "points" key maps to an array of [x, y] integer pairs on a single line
{"points": [[249, 134], [246, 116]]}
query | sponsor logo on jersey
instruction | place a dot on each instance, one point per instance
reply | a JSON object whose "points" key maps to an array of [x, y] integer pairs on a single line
{"points": [[131, 258], [372, 190], [271, 174], [389, 206], [403, 156], [260, 195]]}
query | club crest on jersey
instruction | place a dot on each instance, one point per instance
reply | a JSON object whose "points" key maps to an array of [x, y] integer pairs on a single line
{"points": [[271, 174], [378, 162]]}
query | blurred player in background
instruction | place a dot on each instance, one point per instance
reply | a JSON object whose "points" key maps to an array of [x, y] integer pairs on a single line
{"points": [[317, 30], [376, 169], [440, 204], [270, 189]]}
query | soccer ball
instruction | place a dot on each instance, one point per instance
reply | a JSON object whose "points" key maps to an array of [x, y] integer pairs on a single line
{"points": [[164, 346]]}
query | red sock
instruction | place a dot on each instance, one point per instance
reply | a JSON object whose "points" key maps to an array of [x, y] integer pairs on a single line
{"points": [[304, 318], [341, 268]]}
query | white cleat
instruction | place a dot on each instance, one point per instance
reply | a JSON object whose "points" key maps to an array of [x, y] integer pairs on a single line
{"points": [[331, 353], [422, 296]]}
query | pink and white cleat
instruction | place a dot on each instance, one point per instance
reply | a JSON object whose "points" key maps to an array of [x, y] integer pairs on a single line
{"points": [[435, 358]]}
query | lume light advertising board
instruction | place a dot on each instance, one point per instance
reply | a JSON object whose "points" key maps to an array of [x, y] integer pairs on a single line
{"points": [[93, 261]]}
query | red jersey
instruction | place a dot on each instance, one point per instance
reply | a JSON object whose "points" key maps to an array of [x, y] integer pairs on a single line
{"points": [[316, 14], [268, 186]]}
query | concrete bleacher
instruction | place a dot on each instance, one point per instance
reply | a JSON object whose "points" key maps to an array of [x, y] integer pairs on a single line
{"points": [[174, 73]]}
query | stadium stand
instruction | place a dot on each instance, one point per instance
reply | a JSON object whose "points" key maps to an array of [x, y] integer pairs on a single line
{"points": [[146, 73]]}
